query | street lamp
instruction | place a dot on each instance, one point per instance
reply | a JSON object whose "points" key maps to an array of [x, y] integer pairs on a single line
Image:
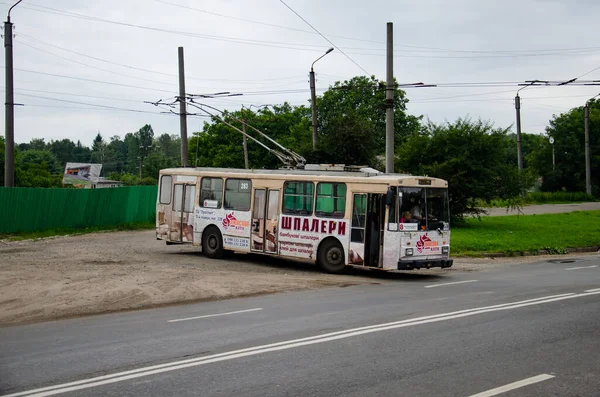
{"points": [[586, 117], [313, 98], [9, 117]]}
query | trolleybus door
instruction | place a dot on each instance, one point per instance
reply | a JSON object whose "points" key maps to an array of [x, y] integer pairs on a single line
{"points": [[368, 210], [182, 216], [265, 216]]}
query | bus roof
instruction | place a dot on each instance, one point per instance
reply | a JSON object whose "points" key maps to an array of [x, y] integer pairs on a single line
{"points": [[299, 174]]}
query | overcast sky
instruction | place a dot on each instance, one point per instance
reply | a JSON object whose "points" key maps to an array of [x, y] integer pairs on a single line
{"points": [[77, 60]]}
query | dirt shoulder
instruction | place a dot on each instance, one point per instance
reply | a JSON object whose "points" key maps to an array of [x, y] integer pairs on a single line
{"points": [[105, 272]]}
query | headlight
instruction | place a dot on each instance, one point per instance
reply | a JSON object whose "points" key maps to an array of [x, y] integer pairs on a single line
{"points": [[445, 249], [409, 252]]}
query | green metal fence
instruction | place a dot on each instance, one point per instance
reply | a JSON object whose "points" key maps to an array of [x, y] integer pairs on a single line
{"points": [[36, 209]]}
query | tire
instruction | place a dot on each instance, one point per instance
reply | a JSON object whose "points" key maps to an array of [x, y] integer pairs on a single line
{"points": [[212, 243], [331, 257]]}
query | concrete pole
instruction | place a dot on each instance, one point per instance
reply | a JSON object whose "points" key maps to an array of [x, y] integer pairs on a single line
{"points": [[182, 111], [9, 148], [313, 100], [588, 178], [519, 147], [389, 100]]}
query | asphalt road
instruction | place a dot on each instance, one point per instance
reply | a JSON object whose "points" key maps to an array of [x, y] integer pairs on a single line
{"points": [[545, 209], [526, 330]]}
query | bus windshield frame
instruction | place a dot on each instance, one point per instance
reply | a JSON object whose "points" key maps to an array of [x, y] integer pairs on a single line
{"points": [[419, 209]]}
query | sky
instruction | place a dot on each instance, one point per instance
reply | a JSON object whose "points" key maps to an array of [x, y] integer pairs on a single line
{"points": [[87, 67]]}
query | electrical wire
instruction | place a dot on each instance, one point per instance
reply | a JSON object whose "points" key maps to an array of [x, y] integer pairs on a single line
{"points": [[94, 67], [322, 35], [90, 80], [238, 40], [257, 81]]}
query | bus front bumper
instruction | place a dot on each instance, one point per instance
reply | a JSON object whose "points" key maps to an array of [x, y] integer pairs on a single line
{"points": [[424, 263]]}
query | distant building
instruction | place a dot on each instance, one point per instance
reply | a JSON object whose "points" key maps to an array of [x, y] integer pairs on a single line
{"points": [[101, 183]]}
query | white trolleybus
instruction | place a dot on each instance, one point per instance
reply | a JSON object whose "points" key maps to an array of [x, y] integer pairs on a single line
{"points": [[334, 215]]}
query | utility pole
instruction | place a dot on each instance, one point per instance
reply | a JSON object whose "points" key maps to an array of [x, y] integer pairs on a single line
{"points": [[182, 111], [9, 116], [313, 98], [519, 147], [389, 101], [588, 180]]}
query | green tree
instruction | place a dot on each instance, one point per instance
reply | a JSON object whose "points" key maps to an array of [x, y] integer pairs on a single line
{"points": [[219, 145], [132, 143], [156, 162], [365, 98], [568, 132], [169, 146], [350, 140], [37, 168], [98, 151], [64, 151], [82, 153], [471, 156]]}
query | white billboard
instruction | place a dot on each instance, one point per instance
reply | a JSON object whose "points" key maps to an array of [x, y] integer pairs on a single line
{"points": [[81, 173]]}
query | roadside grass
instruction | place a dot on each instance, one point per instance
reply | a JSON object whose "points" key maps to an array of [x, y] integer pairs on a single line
{"points": [[517, 234], [75, 231]]}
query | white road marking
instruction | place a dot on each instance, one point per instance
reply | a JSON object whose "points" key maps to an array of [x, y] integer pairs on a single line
{"points": [[581, 267], [456, 282], [289, 344], [592, 290], [215, 315], [513, 386]]}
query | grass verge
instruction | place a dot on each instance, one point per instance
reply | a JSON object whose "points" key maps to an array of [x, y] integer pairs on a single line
{"points": [[75, 231], [516, 234]]}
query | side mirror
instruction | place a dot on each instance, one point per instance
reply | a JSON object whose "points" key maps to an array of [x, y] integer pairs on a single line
{"points": [[389, 197]]}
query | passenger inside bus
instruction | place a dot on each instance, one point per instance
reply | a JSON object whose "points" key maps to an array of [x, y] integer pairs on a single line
{"points": [[416, 211], [407, 218]]}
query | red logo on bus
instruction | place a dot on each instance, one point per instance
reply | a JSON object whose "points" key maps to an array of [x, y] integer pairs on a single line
{"points": [[426, 243], [422, 242], [227, 220]]}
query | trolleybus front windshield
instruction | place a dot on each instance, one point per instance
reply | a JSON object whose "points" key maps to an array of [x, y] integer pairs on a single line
{"points": [[428, 207]]}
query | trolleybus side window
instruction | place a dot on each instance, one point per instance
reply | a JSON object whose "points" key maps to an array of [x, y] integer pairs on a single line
{"points": [[166, 182], [331, 200], [211, 192], [359, 210], [237, 194], [298, 198]]}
